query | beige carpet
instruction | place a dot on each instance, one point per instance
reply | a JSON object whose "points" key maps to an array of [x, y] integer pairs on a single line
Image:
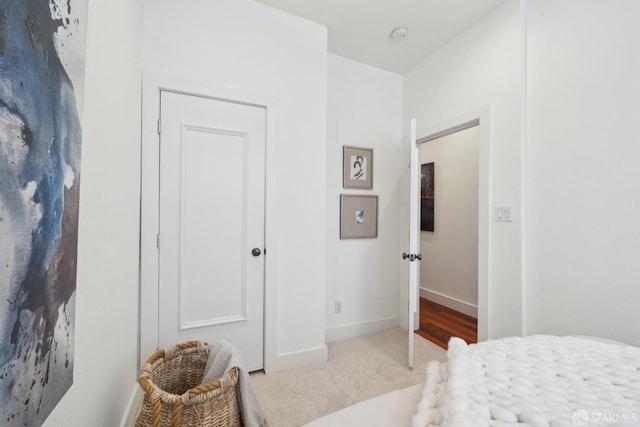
{"points": [[358, 369]]}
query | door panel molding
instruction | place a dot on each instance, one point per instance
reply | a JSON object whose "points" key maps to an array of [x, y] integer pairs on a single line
{"points": [[235, 306], [208, 129], [217, 321]]}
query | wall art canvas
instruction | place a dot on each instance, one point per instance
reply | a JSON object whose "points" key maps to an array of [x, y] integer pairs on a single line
{"points": [[42, 50], [427, 197], [357, 167]]}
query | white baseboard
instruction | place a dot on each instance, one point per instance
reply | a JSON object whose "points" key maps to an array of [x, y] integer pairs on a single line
{"points": [[450, 302], [357, 329], [135, 400], [298, 359]]}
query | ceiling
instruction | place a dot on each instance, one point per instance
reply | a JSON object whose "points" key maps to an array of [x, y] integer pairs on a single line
{"points": [[361, 29]]}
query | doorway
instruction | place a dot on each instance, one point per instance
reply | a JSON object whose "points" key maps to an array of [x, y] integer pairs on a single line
{"points": [[480, 117], [449, 234]]}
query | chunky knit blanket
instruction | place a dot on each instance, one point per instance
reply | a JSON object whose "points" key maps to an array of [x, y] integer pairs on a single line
{"points": [[537, 381]]}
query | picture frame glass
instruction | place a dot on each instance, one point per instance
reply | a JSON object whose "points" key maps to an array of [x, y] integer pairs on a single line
{"points": [[427, 197], [357, 167], [358, 216]]}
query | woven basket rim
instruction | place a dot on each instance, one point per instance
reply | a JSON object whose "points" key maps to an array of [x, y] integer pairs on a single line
{"points": [[196, 394]]}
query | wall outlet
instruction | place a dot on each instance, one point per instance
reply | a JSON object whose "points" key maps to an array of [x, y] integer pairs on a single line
{"points": [[337, 307]]}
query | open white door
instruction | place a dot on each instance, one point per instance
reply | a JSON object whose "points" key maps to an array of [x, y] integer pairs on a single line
{"points": [[414, 236]]}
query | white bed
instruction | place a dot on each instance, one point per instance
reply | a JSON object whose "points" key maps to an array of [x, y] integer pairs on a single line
{"points": [[391, 409], [537, 381]]}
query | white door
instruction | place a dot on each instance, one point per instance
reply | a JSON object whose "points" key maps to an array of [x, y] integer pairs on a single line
{"points": [[414, 256], [211, 242]]}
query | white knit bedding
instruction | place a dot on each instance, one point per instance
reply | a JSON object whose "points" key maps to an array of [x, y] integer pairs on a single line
{"points": [[538, 381]]}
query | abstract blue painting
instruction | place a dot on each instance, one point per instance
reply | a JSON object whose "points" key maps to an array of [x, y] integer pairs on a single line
{"points": [[42, 44]]}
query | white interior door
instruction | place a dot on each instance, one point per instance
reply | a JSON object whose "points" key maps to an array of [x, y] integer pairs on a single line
{"points": [[211, 251], [414, 255]]}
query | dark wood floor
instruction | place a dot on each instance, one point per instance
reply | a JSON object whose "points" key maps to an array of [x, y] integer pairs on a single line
{"points": [[438, 324]]}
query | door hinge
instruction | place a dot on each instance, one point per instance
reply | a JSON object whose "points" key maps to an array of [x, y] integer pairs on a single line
{"points": [[158, 240], [158, 126]]}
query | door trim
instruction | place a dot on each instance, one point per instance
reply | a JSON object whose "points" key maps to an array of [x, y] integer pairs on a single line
{"points": [[481, 116], [152, 84]]}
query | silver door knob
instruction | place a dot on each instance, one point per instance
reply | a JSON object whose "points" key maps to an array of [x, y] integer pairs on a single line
{"points": [[256, 252]]}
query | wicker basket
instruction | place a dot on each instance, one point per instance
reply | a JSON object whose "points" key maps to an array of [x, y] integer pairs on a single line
{"points": [[173, 395]]}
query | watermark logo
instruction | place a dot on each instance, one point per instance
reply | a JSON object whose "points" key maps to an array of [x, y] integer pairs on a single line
{"points": [[582, 417]]}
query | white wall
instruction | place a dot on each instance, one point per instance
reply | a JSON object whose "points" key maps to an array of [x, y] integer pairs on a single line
{"points": [[583, 204], [364, 110], [482, 67], [449, 272], [106, 338], [245, 45]]}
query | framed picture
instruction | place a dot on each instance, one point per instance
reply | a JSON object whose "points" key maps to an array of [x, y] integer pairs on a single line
{"points": [[357, 167], [358, 216], [427, 197]]}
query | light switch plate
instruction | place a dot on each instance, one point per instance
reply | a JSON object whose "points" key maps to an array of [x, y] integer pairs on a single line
{"points": [[503, 213]]}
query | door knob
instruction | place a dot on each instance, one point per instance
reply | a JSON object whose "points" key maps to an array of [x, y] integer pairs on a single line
{"points": [[256, 252], [412, 257]]}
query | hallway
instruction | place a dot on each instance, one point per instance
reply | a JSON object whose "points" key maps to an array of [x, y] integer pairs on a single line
{"points": [[438, 324]]}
